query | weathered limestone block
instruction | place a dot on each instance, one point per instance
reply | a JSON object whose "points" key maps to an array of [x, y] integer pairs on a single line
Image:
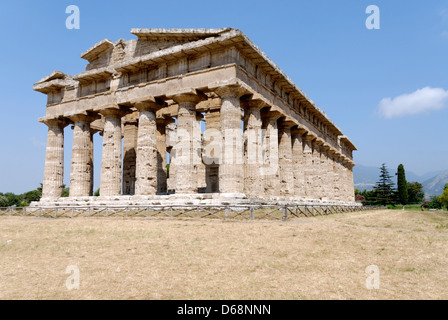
{"points": [[185, 159], [82, 160], [147, 151], [231, 168], [285, 159], [254, 149], [110, 181], [53, 183], [130, 134]]}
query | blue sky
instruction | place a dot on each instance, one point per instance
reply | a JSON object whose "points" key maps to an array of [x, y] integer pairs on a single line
{"points": [[386, 89]]}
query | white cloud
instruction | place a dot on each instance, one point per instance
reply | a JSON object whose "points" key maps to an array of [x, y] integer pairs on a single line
{"points": [[422, 100]]}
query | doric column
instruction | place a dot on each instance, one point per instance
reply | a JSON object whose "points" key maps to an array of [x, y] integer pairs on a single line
{"points": [[197, 147], [147, 152], [162, 186], [271, 162], [110, 181], [53, 184], [130, 132], [92, 133], [231, 168], [285, 158], [350, 182], [212, 149], [318, 169], [82, 164], [298, 162], [254, 148], [337, 174], [327, 178], [185, 158], [308, 165]]}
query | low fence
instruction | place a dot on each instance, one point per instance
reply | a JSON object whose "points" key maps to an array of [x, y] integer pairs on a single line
{"points": [[246, 212]]}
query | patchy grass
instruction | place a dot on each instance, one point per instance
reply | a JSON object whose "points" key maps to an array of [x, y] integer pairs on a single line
{"points": [[322, 257]]}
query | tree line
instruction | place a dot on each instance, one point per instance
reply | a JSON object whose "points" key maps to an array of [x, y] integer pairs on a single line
{"points": [[385, 193]]}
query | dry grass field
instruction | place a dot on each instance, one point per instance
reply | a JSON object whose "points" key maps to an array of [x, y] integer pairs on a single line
{"points": [[322, 257]]}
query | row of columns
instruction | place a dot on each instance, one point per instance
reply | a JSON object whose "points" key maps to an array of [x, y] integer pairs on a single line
{"points": [[294, 162]]}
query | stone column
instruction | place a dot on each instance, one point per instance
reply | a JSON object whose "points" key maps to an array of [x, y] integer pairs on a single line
{"points": [[337, 183], [82, 165], [130, 132], [254, 148], [162, 186], [350, 183], [185, 159], [110, 181], [298, 162], [197, 147], [318, 169], [53, 183], [231, 168], [147, 152], [308, 165], [327, 181], [92, 133], [212, 150], [271, 163], [285, 158]]}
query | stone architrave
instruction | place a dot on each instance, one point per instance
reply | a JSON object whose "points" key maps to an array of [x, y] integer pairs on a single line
{"points": [[82, 164], [254, 148], [285, 159], [53, 183], [147, 152], [110, 181], [185, 159]]}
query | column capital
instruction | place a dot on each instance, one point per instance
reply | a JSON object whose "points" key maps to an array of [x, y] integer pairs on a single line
{"points": [[253, 104], [85, 116], [114, 110], [309, 137], [189, 97], [298, 131], [55, 122], [148, 103], [272, 115], [230, 91], [286, 123]]}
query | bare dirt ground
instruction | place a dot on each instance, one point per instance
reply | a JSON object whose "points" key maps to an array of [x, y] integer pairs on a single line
{"points": [[321, 257]]}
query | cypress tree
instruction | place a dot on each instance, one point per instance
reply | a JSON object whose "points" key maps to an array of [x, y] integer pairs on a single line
{"points": [[402, 185]]}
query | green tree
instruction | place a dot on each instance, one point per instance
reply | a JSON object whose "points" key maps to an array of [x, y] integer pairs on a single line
{"points": [[3, 201], [356, 191], [434, 203], [415, 192], [13, 199], [402, 185], [97, 193], [384, 188], [444, 197]]}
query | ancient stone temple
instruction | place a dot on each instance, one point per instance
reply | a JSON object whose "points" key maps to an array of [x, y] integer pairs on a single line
{"points": [[208, 102]]}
